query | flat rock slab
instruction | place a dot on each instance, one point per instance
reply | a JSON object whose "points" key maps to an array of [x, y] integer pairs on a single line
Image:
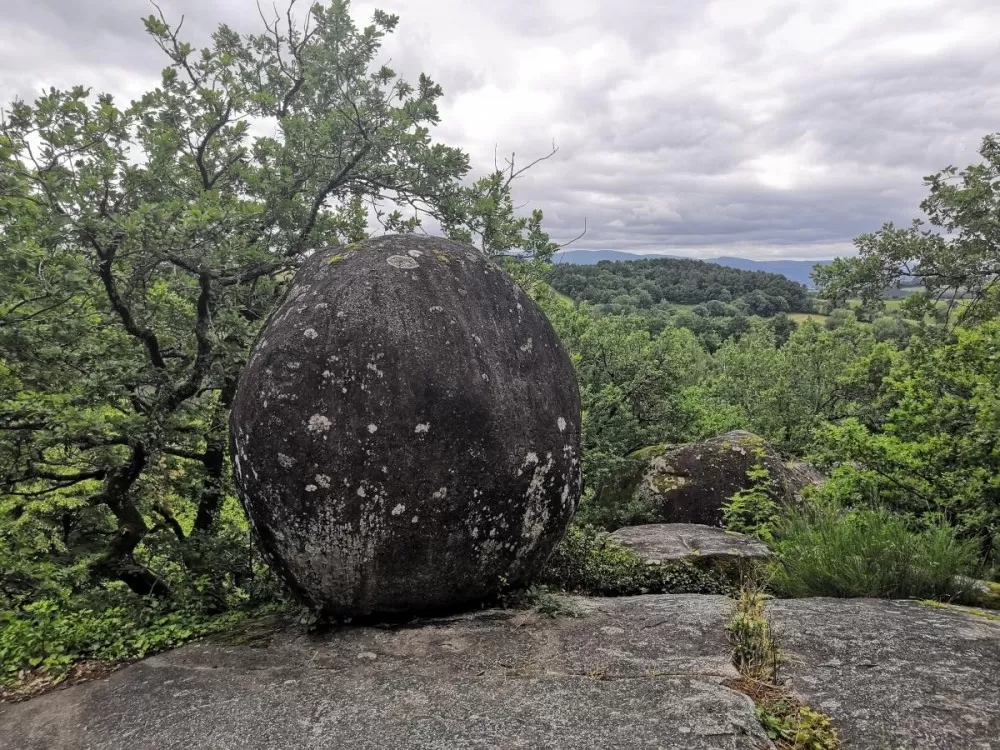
{"points": [[662, 543], [644, 671], [895, 674], [627, 673]]}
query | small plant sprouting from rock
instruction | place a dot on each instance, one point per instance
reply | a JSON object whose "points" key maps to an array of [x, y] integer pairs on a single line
{"points": [[755, 648], [542, 600], [786, 721]]}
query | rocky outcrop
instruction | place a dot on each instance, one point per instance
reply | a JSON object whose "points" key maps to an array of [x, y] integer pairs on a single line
{"points": [[405, 436], [690, 483], [631, 672], [709, 546]]}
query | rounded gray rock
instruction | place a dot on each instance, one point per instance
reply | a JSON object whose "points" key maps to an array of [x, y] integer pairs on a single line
{"points": [[406, 433]]}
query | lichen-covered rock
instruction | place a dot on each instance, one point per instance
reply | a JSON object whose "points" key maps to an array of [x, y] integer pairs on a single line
{"points": [[691, 483], [405, 436], [666, 543]]}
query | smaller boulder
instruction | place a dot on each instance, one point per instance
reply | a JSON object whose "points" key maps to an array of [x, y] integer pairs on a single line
{"points": [[666, 543], [691, 483]]}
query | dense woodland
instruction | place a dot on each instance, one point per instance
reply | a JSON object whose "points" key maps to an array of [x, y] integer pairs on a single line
{"points": [[143, 246], [657, 284]]}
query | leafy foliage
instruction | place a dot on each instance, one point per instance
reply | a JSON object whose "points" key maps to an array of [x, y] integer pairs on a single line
{"points": [[589, 561], [824, 549], [144, 246], [957, 256], [752, 511], [628, 287]]}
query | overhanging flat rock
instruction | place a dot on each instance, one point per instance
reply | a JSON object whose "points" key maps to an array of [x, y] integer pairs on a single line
{"points": [[664, 543]]}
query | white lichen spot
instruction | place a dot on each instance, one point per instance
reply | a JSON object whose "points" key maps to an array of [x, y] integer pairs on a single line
{"points": [[310, 333], [322, 480], [361, 492], [440, 494], [422, 427], [340, 313], [436, 308], [526, 346], [401, 261], [398, 509], [293, 365], [415, 519], [285, 461], [343, 390], [373, 428], [322, 306], [414, 253], [475, 533], [310, 488], [374, 368], [318, 423], [484, 376], [477, 339], [327, 374], [562, 424], [531, 458]]}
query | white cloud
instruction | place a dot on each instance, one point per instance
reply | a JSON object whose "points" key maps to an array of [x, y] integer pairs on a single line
{"points": [[766, 128]]}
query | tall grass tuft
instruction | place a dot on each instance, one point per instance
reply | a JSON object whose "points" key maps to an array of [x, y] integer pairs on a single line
{"points": [[826, 550]]}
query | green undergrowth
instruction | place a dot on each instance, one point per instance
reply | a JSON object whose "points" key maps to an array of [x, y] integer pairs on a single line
{"points": [[589, 561], [824, 549], [788, 723], [49, 637], [542, 599]]}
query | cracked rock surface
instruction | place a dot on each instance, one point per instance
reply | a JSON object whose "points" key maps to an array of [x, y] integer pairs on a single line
{"points": [[625, 673], [894, 674], [645, 671]]}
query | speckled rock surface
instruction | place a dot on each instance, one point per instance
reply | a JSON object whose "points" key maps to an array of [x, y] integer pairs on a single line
{"points": [[895, 675], [632, 672], [690, 483], [643, 672], [405, 436], [664, 543]]}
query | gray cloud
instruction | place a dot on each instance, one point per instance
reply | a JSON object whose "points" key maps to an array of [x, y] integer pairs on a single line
{"points": [[772, 128]]}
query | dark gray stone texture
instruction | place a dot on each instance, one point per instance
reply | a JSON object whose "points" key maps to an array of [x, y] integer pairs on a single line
{"points": [[691, 483], [894, 675], [627, 673], [406, 434], [665, 543], [633, 672]]}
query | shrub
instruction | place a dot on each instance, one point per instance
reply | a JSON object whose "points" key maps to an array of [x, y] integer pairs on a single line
{"points": [[589, 561], [755, 648], [752, 511], [823, 549], [51, 635]]}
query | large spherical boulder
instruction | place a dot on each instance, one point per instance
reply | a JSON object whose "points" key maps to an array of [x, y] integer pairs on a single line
{"points": [[406, 434]]}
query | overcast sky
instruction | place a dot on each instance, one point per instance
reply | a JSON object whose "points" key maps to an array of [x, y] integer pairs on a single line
{"points": [[760, 128]]}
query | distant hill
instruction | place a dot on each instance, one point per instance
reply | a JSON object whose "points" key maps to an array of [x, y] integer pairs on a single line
{"points": [[795, 270], [658, 283]]}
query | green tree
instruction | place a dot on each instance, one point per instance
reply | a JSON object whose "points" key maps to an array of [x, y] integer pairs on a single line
{"points": [[785, 392], [144, 246], [635, 386], [933, 451], [957, 255]]}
